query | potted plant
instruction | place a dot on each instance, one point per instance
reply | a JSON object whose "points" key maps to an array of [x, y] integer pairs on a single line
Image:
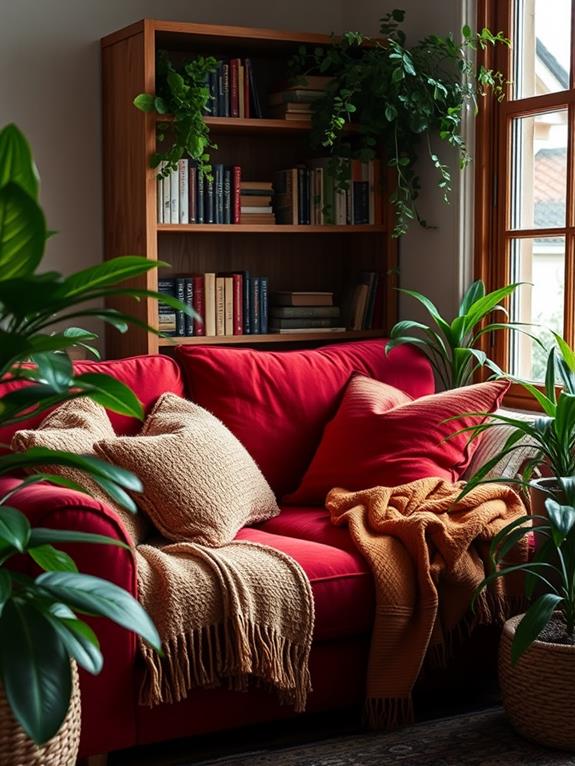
{"points": [[453, 347], [537, 651], [41, 625]]}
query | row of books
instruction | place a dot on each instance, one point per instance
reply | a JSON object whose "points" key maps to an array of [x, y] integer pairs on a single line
{"points": [[304, 312], [309, 194], [233, 91], [186, 196], [365, 302], [225, 304]]}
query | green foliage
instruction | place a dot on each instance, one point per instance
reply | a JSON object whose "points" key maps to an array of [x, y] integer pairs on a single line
{"points": [[399, 96], [452, 347], [552, 568], [40, 629], [182, 93]]}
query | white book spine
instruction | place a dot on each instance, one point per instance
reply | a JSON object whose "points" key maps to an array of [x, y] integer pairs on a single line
{"points": [[210, 300], [174, 197], [183, 190], [167, 217], [159, 196]]}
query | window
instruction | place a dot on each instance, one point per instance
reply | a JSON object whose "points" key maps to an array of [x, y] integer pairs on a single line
{"points": [[525, 190]]}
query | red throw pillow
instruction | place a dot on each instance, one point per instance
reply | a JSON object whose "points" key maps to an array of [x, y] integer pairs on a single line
{"points": [[380, 436]]}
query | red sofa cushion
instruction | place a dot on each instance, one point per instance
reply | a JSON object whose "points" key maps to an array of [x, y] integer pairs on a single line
{"points": [[147, 376], [370, 442], [278, 402], [340, 580]]}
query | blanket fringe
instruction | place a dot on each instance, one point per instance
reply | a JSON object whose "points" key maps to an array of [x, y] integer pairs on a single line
{"points": [[235, 652], [385, 714]]}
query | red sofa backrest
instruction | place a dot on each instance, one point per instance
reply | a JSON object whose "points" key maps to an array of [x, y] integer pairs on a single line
{"points": [[278, 402], [147, 376]]}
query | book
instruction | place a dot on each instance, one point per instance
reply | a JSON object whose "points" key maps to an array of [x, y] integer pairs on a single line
{"points": [[302, 195], [180, 315], [358, 306], [301, 298], [303, 330], [236, 187], [213, 88], [218, 171], [192, 191], [166, 313], [241, 90], [254, 95], [209, 206], [255, 199], [371, 278], [189, 301], [255, 306], [286, 197], [257, 209], [210, 303], [253, 218], [263, 305], [200, 197], [279, 323], [247, 106], [238, 304], [220, 91], [220, 306], [234, 94], [227, 195], [160, 199], [226, 89], [298, 95], [174, 197], [183, 191], [260, 187], [304, 312], [309, 82], [166, 185], [199, 305], [322, 165], [228, 305], [247, 306]]}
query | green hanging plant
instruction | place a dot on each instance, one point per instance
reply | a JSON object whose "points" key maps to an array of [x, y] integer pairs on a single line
{"points": [[184, 95], [398, 96]]}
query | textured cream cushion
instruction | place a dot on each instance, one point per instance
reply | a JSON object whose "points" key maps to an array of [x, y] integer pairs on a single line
{"points": [[200, 483], [75, 426]]}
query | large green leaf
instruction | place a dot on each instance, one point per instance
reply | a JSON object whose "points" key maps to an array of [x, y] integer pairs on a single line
{"points": [[35, 671], [472, 294], [80, 641], [488, 303], [54, 369], [97, 596], [52, 560], [562, 519], [110, 393], [108, 273], [22, 232], [14, 528], [16, 163], [533, 622], [42, 536], [5, 588]]}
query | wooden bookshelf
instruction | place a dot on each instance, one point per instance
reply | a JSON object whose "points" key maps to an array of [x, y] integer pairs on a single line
{"points": [[319, 258]]}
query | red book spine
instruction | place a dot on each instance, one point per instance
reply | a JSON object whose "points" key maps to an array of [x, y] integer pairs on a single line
{"points": [[238, 304], [246, 92], [234, 94], [199, 305], [236, 183]]}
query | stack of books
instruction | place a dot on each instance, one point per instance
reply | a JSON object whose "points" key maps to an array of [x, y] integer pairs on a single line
{"points": [[309, 194], [294, 102], [187, 196], [304, 312], [233, 91], [365, 302], [226, 304], [256, 202]]}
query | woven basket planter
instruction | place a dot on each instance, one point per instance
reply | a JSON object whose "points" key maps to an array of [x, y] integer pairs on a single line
{"points": [[17, 749], [538, 691]]}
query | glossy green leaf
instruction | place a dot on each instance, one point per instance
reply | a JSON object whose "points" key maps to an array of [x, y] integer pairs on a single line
{"points": [[562, 519], [54, 369], [97, 596], [16, 163], [80, 642], [52, 560], [14, 528], [35, 670], [108, 273], [43, 536], [144, 102], [5, 588], [533, 622], [110, 393], [22, 232]]}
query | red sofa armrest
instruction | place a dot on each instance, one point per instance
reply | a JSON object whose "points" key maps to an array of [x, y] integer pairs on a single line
{"points": [[108, 700]]}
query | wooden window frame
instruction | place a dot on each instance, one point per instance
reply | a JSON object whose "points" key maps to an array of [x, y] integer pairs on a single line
{"points": [[493, 233]]}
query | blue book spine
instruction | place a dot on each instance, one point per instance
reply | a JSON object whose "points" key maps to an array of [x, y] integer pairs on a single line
{"points": [[221, 96], [209, 200], [247, 303], [255, 306], [263, 305], [227, 195], [180, 315], [200, 201], [219, 192], [189, 301]]}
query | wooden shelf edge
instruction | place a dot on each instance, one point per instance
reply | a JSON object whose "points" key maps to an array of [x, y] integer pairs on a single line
{"points": [[230, 340], [255, 124], [273, 228]]}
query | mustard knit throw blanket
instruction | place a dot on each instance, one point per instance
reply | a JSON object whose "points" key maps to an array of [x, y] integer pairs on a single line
{"points": [[225, 615], [428, 552]]}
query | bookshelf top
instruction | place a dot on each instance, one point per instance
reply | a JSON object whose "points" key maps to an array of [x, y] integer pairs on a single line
{"points": [[210, 33]]}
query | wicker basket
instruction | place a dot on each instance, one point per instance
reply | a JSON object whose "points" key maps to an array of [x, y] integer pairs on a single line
{"points": [[538, 690], [17, 749]]}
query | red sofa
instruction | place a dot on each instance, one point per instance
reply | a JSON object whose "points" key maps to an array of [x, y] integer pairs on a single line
{"points": [[277, 404]]}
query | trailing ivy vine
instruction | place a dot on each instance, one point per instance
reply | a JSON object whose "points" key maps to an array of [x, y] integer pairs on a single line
{"points": [[183, 94], [398, 97]]}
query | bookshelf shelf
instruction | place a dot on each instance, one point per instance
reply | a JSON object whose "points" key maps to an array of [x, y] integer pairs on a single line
{"points": [[260, 147], [251, 228], [249, 340]]}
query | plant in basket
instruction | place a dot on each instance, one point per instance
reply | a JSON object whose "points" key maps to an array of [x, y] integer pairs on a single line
{"points": [[41, 617]]}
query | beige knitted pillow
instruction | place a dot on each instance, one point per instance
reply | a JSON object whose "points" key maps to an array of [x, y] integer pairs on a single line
{"points": [[74, 427], [200, 483]]}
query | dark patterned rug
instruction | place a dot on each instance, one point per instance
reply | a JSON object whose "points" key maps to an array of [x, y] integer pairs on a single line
{"points": [[479, 739]]}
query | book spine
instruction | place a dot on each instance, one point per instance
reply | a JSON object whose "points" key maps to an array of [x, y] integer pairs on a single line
{"points": [[226, 87], [183, 190], [255, 306], [247, 303], [166, 183], [192, 192], [229, 305], [302, 201], [213, 88], [247, 109], [189, 301], [263, 305], [220, 306], [234, 94], [200, 196], [180, 315], [160, 197], [209, 210], [236, 191], [238, 304], [219, 192], [373, 281], [166, 314], [305, 312], [255, 99], [210, 302], [227, 195], [285, 324], [241, 89], [377, 322], [174, 197], [220, 96], [309, 189], [199, 306]]}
